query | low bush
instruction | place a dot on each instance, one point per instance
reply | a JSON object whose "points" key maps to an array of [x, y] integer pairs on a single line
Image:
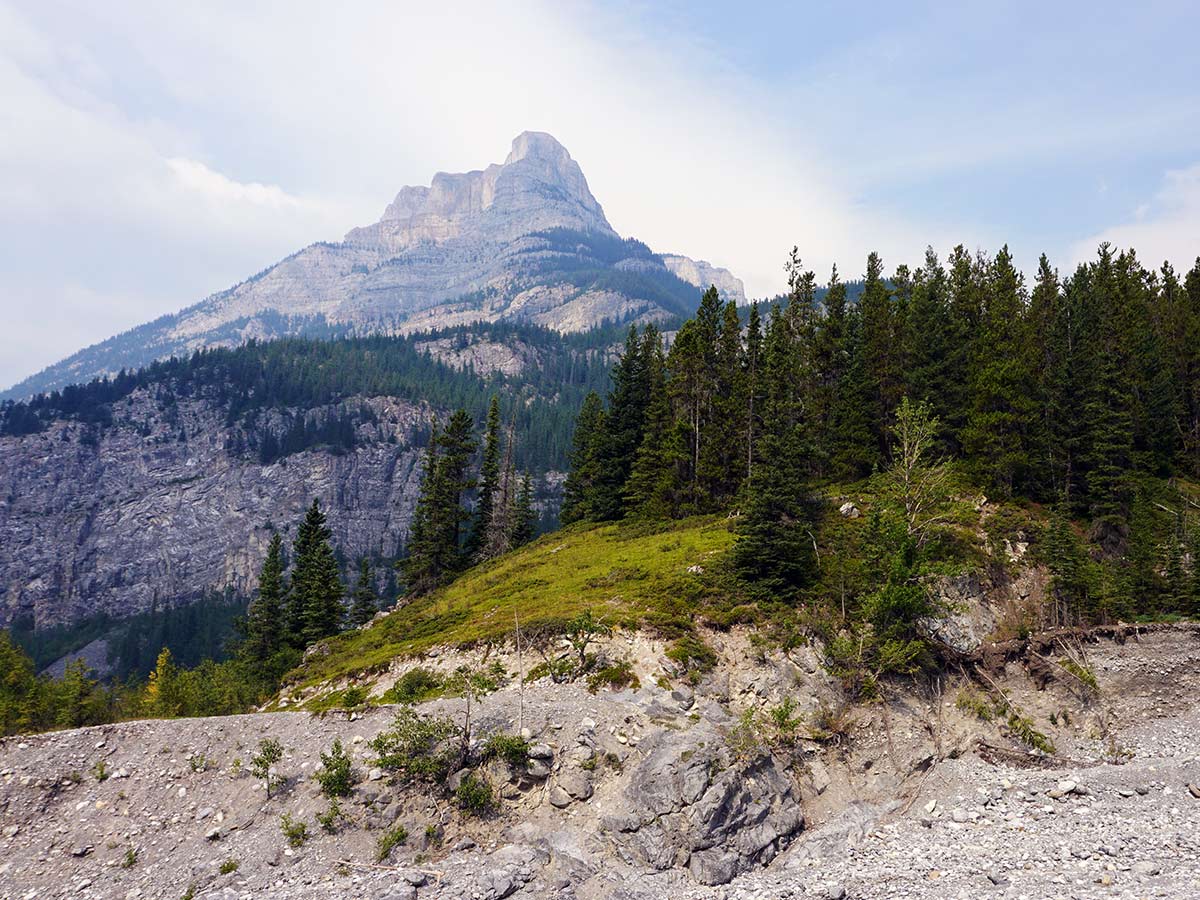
{"points": [[414, 686], [390, 840], [511, 748], [474, 795], [418, 747], [295, 831], [336, 775], [618, 676]]}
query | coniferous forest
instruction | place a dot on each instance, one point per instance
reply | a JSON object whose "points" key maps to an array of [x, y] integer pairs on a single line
{"points": [[1078, 393]]}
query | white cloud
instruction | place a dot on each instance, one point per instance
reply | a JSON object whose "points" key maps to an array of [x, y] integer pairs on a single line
{"points": [[1167, 228]]}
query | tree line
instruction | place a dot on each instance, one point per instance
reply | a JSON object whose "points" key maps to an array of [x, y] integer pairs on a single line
{"points": [[1068, 392]]}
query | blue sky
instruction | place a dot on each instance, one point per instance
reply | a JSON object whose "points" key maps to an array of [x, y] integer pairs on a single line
{"points": [[151, 153]]}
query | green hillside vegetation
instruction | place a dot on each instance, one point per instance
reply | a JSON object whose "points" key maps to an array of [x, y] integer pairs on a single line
{"points": [[627, 575]]}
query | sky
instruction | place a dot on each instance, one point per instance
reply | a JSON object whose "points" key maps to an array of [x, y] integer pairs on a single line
{"points": [[152, 153]]}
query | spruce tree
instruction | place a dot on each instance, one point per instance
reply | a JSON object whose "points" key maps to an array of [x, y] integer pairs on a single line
{"points": [[582, 486], [435, 547], [489, 481], [365, 604], [316, 587], [524, 515], [755, 394], [264, 626], [1001, 387]]}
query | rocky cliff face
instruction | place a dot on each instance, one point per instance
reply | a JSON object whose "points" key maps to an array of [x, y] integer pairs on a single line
{"points": [[158, 510], [524, 240]]}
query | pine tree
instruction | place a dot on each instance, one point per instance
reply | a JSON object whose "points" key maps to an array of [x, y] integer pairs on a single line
{"points": [[435, 547], [365, 603], [652, 489], [1001, 386], [879, 351], [755, 393], [580, 500], [624, 427], [264, 627], [316, 587], [489, 483], [525, 516], [498, 538]]}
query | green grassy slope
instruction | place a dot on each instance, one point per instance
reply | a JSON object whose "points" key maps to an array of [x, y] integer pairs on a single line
{"points": [[627, 574]]}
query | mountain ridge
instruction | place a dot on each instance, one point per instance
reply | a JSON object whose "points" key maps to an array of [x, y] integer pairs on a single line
{"points": [[523, 240]]}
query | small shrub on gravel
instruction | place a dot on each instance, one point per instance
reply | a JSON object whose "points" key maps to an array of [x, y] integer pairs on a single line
{"points": [[390, 840], [130, 859], [100, 770], [329, 819], [511, 748], [414, 686], [230, 865], [296, 832], [618, 676], [418, 747], [336, 775], [270, 751], [190, 893], [474, 795]]}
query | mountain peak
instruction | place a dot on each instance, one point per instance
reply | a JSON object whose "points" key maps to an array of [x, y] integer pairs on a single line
{"points": [[538, 145], [538, 187]]}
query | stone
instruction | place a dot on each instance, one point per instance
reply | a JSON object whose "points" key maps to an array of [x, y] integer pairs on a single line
{"points": [[82, 850], [558, 797], [541, 751], [1145, 867], [849, 510], [577, 784], [959, 815], [1064, 787], [1194, 790]]}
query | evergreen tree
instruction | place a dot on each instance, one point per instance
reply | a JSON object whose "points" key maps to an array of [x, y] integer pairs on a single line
{"points": [[365, 604], [1001, 400], [489, 481], [624, 427], [316, 588], [525, 516], [580, 490], [435, 547], [652, 490], [264, 627], [755, 393]]}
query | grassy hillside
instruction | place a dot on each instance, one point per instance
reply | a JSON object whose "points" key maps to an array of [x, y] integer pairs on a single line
{"points": [[626, 574]]}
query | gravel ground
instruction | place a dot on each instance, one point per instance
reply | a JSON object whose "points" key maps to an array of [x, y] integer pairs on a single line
{"points": [[175, 807]]}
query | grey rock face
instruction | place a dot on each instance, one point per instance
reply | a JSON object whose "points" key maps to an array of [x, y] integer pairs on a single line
{"points": [[690, 803], [144, 517], [505, 242]]}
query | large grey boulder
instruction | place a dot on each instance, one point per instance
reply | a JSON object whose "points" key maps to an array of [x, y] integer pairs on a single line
{"points": [[691, 802]]}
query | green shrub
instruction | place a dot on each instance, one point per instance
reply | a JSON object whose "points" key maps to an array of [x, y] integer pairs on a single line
{"points": [[329, 819], [130, 859], [270, 751], [229, 866], [418, 747], [388, 841], [295, 831], [693, 656], [336, 775], [474, 795], [414, 686], [618, 676], [1022, 728], [100, 770], [511, 748]]}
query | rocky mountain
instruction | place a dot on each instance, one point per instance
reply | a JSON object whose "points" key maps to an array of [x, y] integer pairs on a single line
{"points": [[521, 241]]}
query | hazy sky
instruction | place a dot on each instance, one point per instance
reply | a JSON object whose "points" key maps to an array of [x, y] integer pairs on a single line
{"points": [[152, 153]]}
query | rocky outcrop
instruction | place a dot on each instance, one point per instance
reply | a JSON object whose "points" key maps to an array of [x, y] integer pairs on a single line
{"points": [[691, 802], [523, 240], [703, 274]]}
